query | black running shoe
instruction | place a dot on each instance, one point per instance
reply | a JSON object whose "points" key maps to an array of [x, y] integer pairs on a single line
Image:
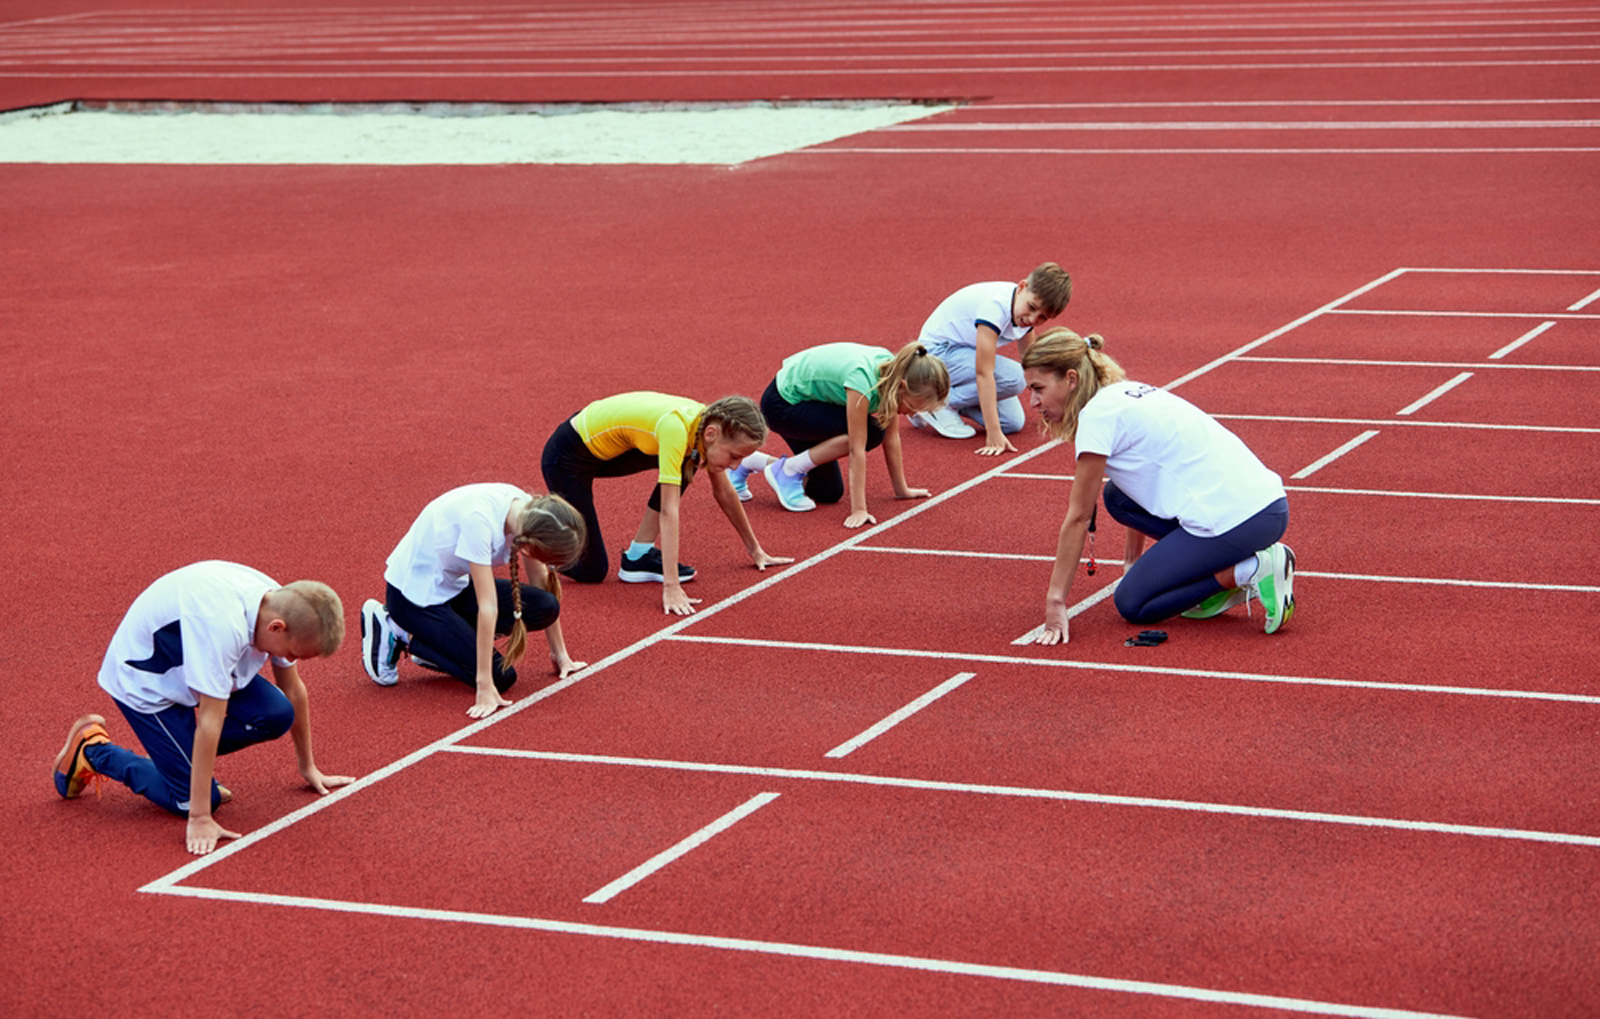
{"points": [[648, 569]]}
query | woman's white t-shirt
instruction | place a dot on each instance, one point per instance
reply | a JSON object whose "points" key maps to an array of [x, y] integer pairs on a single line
{"points": [[465, 526], [1174, 459]]}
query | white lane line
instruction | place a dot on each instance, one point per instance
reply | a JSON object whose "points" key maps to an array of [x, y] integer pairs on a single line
{"points": [[1089, 602], [1235, 125], [1485, 426], [1453, 383], [1196, 150], [1372, 362], [1585, 302], [1524, 338], [1414, 313], [1317, 465], [1062, 795], [665, 857], [1561, 500], [1303, 103], [921, 964], [625, 72], [1141, 670], [1508, 585], [897, 717], [1332, 305]]}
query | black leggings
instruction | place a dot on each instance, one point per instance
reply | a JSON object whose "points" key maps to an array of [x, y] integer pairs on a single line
{"points": [[807, 423], [569, 471], [447, 635]]}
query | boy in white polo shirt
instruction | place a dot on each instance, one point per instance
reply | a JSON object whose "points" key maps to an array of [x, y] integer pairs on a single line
{"points": [[966, 330], [184, 668]]}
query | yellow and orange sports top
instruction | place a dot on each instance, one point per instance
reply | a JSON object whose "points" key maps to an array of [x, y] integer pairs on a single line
{"points": [[652, 423]]}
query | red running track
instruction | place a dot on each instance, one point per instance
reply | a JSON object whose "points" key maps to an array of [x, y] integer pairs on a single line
{"points": [[1387, 808]]}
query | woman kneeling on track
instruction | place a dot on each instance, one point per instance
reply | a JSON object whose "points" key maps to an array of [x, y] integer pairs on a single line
{"points": [[1172, 473]]}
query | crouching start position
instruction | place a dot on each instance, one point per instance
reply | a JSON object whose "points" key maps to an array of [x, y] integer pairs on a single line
{"points": [[1171, 473]]}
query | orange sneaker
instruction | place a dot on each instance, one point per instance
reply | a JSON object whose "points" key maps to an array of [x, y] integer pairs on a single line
{"points": [[72, 770]]}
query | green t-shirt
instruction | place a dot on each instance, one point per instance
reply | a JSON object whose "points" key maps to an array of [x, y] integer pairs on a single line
{"points": [[829, 373]]}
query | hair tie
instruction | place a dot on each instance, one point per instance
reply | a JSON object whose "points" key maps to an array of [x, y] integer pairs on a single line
{"points": [[516, 615], [921, 350]]}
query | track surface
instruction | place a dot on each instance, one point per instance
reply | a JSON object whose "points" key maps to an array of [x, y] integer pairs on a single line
{"points": [[1360, 233]]}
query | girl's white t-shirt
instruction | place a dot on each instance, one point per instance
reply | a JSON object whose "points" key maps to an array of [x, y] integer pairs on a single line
{"points": [[188, 633], [1174, 459], [465, 526]]}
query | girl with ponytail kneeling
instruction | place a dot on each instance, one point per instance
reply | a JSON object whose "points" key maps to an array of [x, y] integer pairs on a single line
{"points": [[444, 604], [839, 400]]}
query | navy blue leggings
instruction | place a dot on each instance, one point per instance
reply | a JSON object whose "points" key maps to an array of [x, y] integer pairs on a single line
{"points": [[256, 714], [447, 635], [808, 423], [1176, 573]]}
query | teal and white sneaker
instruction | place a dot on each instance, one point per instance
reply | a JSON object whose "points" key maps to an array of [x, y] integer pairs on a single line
{"points": [[791, 488], [1218, 603], [1274, 585], [741, 482], [380, 646]]}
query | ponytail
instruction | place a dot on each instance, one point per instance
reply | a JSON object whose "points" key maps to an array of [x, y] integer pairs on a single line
{"points": [[925, 377], [1061, 350]]}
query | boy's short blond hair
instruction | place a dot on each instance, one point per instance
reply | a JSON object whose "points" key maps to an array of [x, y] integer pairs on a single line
{"points": [[313, 610], [1052, 286]]}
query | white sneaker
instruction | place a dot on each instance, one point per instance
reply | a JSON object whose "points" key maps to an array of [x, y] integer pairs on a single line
{"points": [[944, 421], [380, 648]]}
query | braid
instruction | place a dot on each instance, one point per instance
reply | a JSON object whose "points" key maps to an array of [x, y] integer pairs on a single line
{"points": [[519, 629]]}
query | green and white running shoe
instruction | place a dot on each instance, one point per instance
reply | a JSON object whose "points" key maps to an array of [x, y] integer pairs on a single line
{"points": [[1218, 603], [1274, 585]]}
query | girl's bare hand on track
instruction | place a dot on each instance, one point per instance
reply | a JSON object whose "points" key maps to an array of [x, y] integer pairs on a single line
{"points": [[566, 666], [676, 603], [487, 704]]}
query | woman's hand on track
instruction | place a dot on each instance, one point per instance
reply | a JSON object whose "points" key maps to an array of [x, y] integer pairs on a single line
{"points": [[763, 560], [858, 518], [914, 493], [1054, 630], [675, 603], [565, 666]]}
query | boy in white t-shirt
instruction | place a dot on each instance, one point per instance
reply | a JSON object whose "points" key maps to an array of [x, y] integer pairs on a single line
{"points": [[184, 667], [966, 330]]}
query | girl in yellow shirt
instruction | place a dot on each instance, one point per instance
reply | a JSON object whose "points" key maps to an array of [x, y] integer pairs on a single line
{"points": [[632, 433]]}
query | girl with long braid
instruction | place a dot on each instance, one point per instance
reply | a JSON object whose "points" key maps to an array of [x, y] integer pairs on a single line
{"points": [[841, 400], [1172, 473], [444, 606], [674, 437]]}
